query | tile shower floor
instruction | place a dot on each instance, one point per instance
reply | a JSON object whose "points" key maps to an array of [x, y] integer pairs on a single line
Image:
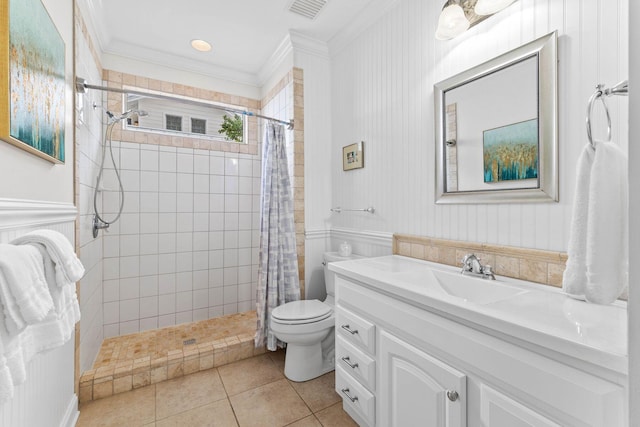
{"points": [[133, 361], [250, 392]]}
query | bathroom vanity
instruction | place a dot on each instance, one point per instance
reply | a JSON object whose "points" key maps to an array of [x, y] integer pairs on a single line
{"points": [[417, 343]]}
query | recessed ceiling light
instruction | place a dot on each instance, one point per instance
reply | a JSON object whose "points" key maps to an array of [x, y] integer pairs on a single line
{"points": [[200, 45]]}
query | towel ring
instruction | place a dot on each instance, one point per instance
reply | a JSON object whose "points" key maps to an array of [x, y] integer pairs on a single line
{"points": [[598, 94]]}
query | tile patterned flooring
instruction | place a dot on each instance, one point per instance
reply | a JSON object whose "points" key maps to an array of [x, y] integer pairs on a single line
{"points": [[250, 392], [133, 361]]}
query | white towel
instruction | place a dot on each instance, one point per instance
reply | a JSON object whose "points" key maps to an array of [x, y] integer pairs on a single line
{"points": [[608, 237], [57, 328], [597, 268], [69, 269], [6, 382], [574, 281], [24, 294], [12, 352]]}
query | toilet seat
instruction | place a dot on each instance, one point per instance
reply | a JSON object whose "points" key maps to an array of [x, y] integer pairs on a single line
{"points": [[301, 312]]}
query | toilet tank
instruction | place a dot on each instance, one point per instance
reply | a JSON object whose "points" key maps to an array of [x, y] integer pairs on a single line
{"points": [[329, 276]]}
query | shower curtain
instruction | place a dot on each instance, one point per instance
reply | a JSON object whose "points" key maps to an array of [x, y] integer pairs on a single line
{"points": [[278, 269]]}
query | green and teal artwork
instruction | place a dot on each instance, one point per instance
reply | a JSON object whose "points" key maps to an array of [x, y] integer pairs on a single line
{"points": [[511, 152], [37, 79]]}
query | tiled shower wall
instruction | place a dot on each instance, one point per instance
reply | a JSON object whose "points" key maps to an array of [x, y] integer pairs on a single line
{"points": [[88, 139], [186, 245]]}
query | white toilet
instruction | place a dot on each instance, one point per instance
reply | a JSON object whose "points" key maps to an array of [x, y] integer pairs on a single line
{"points": [[307, 326]]}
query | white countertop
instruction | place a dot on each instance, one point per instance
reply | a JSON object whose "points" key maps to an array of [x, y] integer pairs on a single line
{"points": [[537, 314]]}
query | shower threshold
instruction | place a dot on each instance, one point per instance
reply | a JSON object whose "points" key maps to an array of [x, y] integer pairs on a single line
{"points": [[137, 360]]}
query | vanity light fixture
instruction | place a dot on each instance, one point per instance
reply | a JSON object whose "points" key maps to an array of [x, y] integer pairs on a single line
{"points": [[489, 7], [452, 21], [200, 45], [459, 15]]}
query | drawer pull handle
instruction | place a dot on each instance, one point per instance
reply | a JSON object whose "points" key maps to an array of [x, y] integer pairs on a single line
{"points": [[348, 329], [345, 391], [347, 361], [452, 395]]}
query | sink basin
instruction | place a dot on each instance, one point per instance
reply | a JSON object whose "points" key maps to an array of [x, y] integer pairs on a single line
{"points": [[474, 289]]}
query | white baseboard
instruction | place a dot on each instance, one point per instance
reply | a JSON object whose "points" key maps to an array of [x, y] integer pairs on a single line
{"points": [[71, 414]]}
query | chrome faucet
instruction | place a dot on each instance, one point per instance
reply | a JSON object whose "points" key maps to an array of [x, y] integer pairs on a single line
{"points": [[471, 266]]}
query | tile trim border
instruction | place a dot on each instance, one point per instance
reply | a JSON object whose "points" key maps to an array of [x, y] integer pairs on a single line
{"points": [[125, 376]]}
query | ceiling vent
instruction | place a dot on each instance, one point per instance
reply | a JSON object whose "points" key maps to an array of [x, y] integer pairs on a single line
{"points": [[307, 8]]}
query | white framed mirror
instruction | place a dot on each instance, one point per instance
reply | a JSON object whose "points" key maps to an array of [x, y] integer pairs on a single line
{"points": [[496, 129]]}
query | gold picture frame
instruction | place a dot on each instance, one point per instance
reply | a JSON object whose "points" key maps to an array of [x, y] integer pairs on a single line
{"points": [[353, 156], [32, 96]]}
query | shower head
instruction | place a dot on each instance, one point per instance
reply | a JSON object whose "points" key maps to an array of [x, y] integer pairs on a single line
{"points": [[113, 118]]}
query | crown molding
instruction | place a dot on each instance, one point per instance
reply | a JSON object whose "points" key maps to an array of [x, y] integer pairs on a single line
{"points": [[155, 57], [370, 14], [97, 30], [305, 44], [283, 52]]}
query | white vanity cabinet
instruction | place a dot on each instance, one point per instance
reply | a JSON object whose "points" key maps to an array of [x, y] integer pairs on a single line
{"points": [[405, 365], [417, 389]]}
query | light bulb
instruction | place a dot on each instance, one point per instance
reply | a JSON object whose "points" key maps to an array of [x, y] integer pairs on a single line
{"points": [[452, 22], [489, 7]]}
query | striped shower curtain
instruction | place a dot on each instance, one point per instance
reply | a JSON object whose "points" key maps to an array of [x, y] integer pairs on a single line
{"points": [[278, 270]]}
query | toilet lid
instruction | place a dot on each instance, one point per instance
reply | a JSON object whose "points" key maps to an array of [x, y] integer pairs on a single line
{"points": [[303, 311]]}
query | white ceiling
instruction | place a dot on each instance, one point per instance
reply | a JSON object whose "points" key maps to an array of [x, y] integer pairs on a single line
{"points": [[244, 33]]}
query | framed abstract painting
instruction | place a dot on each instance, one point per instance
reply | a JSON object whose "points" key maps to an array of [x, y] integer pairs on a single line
{"points": [[32, 98]]}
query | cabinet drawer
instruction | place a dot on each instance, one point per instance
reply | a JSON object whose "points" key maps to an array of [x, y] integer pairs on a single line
{"points": [[355, 396], [354, 361], [356, 330]]}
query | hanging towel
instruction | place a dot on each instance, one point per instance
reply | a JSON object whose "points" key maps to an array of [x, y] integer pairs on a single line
{"points": [[57, 328], [575, 274], [608, 225], [597, 268], [24, 294], [6, 383], [12, 352], [69, 269]]}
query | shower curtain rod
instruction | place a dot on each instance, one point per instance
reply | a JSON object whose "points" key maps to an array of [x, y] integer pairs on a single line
{"points": [[82, 86]]}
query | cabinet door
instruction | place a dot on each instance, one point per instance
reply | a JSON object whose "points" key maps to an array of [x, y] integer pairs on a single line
{"points": [[418, 390], [498, 410]]}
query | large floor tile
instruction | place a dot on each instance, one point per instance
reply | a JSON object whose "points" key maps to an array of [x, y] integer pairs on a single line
{"points": [[334, 416], [133, 408], [188, 392], [216, 414], [275, 404], [249, 373], [310, 421], [278, 357], [318, 393]]}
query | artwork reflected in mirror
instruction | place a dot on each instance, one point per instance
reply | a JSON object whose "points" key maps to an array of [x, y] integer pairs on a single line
{"points": [[511, 152], [496, 129]]}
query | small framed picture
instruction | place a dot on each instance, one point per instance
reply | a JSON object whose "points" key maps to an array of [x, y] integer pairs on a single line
{"points": [[353, 156]]}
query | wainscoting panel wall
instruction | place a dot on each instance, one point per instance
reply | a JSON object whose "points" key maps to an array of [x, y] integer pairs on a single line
{"points": [[47, 396]]}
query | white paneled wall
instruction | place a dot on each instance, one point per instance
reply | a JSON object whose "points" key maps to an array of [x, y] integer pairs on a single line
{"points": [[185, 247], [47, 396], [382, 93], [88, 142]]}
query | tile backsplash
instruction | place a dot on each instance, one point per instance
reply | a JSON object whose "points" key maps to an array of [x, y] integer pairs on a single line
{"points": [[545, 267]]}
